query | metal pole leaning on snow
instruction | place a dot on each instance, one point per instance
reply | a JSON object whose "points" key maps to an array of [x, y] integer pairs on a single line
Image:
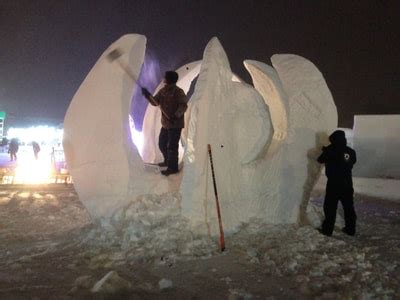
{"points": [[221, 230], [114, 56]]}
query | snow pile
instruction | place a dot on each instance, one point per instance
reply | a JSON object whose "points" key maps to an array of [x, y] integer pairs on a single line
{"points": [[111, 283], [318, 263], [151, 233], [150, 228]]}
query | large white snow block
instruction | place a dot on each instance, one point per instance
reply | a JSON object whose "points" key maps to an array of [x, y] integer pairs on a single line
{"points": [[377, 144], [263, 170], [233, 118], [104, 163]]}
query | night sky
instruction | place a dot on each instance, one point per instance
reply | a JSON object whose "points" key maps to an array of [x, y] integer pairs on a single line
{"points": [[48, 47]]}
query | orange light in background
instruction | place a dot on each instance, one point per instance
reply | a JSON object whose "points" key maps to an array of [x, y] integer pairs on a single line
{"points": [[32, 171]]}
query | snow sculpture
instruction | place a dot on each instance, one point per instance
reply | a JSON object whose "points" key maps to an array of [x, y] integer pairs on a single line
{"points": [[262, 170], [104, 164], [377, 143], [261, 138]]}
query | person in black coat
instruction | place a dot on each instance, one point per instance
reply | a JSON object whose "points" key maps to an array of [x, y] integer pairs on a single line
{"points": [[13, 149], [339, 160], [36, 149]]}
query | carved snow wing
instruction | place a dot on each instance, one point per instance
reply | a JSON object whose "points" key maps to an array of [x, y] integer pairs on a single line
{"points": [[105, 166], [312, 116], [267, 83]]}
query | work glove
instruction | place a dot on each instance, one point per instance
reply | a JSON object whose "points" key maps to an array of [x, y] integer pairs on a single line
{"points": [[145, 92]]}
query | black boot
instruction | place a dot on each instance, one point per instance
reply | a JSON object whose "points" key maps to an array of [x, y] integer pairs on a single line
{"points": [[348, 231], [168, 172], [163, 164], [324, 232]]}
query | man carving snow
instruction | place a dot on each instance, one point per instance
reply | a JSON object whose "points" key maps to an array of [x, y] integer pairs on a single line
{"points": [[339, 160], [173, 103]]}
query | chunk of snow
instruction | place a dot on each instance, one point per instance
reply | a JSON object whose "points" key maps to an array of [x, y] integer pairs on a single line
{"points": [[111, 283], [165, 284]]}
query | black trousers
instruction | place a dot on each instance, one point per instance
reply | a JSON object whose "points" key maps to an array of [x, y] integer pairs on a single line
{"points": [[336, 192], [168, 142]]}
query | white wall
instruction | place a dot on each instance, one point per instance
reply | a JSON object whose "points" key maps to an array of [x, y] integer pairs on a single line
{"points": [[377, 143]]}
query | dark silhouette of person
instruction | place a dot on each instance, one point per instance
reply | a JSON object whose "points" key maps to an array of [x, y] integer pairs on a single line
{"points": [[339, 160], [173, 103], [36, 149], [13, 149]]}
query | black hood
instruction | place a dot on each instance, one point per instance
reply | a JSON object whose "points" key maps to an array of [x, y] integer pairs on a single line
{"points": [[338, 138]]}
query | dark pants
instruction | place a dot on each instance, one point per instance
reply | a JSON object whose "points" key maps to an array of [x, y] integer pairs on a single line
{"points": [[168, 142], [13, 155], [334, 193]]}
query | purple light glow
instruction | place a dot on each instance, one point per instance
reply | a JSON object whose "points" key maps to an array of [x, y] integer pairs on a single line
{"points": [[150, 76]]}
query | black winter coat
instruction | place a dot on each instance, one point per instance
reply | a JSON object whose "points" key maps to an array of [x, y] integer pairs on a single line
{"points": [[338, 159]]}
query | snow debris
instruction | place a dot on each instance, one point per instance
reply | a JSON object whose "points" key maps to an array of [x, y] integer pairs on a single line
{"points": [[318, 263], [227, 279], [315, 215], [16, 266], [111, 283], [239, 294], [84, 282], [149, 228], [150, 233], [165, 284]]}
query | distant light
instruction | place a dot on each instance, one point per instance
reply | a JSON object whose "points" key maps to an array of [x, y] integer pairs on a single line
{"points": [[31, 171], [40, 134]]}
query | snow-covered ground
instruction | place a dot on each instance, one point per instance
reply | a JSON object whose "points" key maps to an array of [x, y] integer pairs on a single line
{"points": [[51, 249]]}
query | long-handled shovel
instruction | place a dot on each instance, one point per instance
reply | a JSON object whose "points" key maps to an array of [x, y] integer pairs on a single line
{"points": [[221, 230], [114, 55]]}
